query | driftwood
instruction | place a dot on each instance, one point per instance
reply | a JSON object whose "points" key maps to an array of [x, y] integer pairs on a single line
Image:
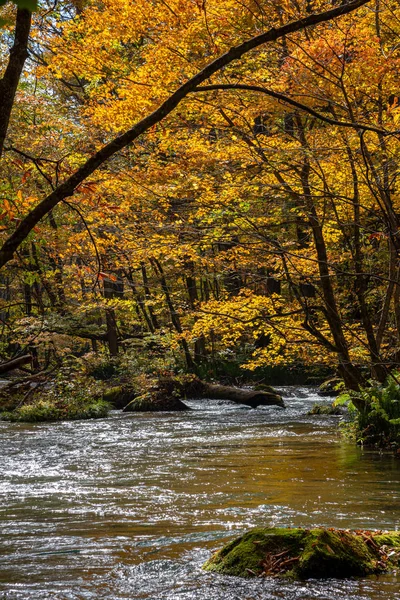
{"points": [[251, 398], [15, 363]]}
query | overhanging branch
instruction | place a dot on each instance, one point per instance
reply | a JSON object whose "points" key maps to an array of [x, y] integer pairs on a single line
{"points": [[299, 105], [69, 186]]}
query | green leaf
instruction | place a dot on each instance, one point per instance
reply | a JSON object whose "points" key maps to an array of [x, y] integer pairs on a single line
{"points": [[342, 399]]}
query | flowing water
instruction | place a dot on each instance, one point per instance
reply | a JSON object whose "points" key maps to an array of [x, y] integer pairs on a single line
{"points": [[131, 506]]}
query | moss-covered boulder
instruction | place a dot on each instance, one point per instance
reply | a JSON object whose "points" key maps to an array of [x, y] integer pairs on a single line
{"points": [[263, 387], [119, 396], [65, 409], [147, 403], [159, 394], [305, 553]]}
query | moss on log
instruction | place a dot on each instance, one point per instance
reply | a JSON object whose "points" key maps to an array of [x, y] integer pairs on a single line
{"points": [[307, 553], [167, 393], [252, 398]]}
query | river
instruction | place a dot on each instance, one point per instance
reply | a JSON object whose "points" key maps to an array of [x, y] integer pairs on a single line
{"points": [[131, 506]]}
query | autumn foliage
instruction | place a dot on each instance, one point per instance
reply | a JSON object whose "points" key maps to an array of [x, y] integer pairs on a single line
{"points": [[257, 222]]}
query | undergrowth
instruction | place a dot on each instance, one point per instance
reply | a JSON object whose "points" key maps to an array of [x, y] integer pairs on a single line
{"points": [[63, 409], [378, 423]]}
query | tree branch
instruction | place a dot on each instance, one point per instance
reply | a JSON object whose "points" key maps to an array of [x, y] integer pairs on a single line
{"points": [[299, 105], [69, 186]]}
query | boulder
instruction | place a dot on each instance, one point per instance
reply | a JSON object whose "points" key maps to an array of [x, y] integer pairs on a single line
{"points": [[307, 553], [327, 409], [328, 387], [119, 396]]}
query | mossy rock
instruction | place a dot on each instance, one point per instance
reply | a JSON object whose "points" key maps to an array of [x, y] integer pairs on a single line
{"points": [[43, 410], [327, 409], [119, 396], [263, 387], [304, 553], [150, 404], [164, 393], [245, 555]]}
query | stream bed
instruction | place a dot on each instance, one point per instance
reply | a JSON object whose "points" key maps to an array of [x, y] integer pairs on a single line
{"points": [[131, 506]]}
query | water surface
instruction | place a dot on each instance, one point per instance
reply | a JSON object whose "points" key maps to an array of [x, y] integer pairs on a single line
{"points": [[131, 506]]}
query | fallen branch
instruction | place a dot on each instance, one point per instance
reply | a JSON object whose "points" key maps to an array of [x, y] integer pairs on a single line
{"points": [[15, 363]]}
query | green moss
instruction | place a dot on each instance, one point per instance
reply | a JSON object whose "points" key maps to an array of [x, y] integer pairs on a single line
{"points": [[330, 387], [147, 403], [388, 538], [389, 544], [243, 557], [47, 410], [119, 396], [303, 553], [112, 394], [335, 554], [325, 409], [262, 387]]}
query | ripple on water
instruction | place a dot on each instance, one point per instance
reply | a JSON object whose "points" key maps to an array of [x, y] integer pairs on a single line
{"points": [[131, 506]]}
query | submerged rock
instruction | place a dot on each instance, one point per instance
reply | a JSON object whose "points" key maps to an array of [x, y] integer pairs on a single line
{"points": [[305, 553]]}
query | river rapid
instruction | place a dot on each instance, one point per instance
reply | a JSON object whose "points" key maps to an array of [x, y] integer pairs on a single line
{"points": [[131, 506]]}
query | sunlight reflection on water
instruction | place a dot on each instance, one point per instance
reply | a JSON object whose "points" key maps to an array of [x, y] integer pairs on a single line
{"points": [[130, 507]]}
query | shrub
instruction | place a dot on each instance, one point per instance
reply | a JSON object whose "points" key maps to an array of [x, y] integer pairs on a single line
{"points": [[378, 423]]}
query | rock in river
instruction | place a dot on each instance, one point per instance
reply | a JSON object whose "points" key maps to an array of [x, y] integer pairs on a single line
{"points": [[307, 553]]}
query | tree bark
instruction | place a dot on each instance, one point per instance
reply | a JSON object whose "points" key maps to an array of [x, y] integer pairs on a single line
{"points": [[175, 319], [9, 82]]}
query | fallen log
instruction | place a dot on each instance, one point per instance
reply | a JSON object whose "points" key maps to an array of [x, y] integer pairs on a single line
{"points": [[252, 398], [167, 393], [15, 363]]}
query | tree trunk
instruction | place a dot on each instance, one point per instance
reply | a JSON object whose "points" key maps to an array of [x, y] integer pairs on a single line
{"points": [[10, 80], [176, 322], [112, 332]]}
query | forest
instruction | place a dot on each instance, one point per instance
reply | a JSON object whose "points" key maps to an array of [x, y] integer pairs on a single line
{"points": [[200, 187], [200, 299]]}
